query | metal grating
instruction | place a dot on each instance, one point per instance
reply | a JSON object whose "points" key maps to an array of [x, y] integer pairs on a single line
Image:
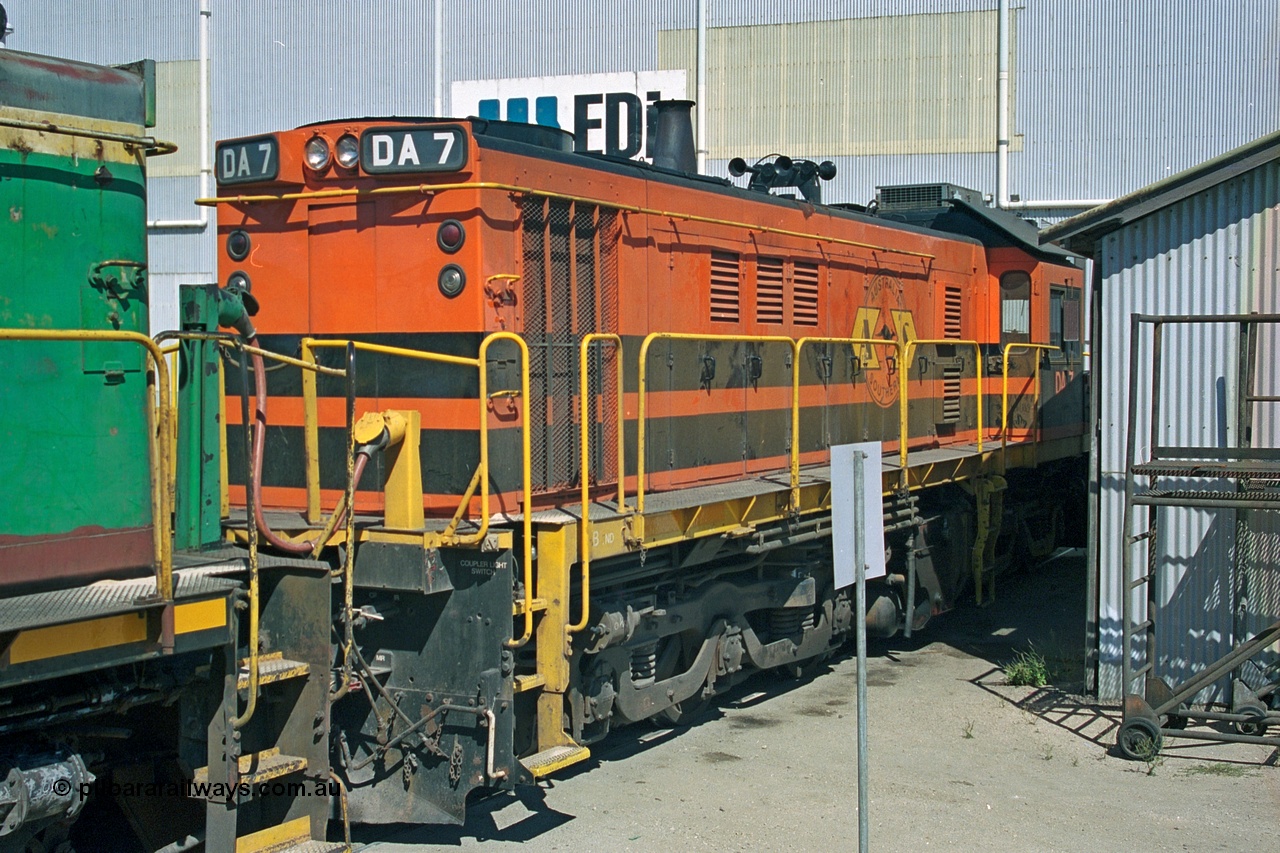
{"points": [[899, 198], [570, 290], [769, 290], [726, 286], [804, 294]]}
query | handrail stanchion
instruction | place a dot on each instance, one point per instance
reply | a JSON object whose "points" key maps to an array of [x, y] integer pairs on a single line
{"points": [[584, 442], [1004, 395], [310, 432], [526, 480]]}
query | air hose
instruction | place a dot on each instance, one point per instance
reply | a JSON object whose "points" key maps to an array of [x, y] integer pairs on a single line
{"points": [[259, 445]]}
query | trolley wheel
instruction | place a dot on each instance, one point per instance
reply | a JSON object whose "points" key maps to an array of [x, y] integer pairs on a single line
{"points": [[1139, 739], [1251, 728]]}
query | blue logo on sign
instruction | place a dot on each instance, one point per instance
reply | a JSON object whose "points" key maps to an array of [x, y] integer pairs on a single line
{"points": [[545, 110]]}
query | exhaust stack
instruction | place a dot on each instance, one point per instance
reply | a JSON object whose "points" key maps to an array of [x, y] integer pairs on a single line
{"points": [[673, 147]]}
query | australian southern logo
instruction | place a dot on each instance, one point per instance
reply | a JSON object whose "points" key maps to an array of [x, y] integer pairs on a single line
{"points": [[882, 317]]}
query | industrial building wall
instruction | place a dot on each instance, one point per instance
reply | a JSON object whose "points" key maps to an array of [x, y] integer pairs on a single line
{"points": [[1213, 253], [1109, 95]]}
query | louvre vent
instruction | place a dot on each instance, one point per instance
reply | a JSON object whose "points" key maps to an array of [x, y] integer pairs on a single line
{"points": [[769, 289], [805, 294], [952, 327], [952, 307], [924, 195], [726, 278]]}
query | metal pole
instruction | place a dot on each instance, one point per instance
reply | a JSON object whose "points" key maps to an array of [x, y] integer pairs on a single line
{"points": [[860, 619], [439, 58], [700, 148], [1002, 105]]}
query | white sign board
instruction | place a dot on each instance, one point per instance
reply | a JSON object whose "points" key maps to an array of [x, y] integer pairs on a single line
{"points": [[846, 525], [606, 113]]}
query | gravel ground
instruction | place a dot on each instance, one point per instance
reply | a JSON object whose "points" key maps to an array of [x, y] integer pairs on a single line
{"points": [[959, 760]]}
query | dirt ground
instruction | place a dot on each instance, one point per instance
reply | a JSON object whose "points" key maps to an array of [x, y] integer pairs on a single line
{"points": [[959, 760]]}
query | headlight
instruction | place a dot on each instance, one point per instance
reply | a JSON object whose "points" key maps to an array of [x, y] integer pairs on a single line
{"points": [[317, 153], [239, 281], [452, 280], [348, 151]]}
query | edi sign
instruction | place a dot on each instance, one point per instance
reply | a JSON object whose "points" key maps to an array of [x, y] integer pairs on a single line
{"points": [[606, 113]]}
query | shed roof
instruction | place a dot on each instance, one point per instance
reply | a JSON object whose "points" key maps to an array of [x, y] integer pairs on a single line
{"points": [[1081, 232]]}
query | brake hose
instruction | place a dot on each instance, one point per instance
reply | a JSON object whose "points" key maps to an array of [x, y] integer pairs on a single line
{"points": [[259, 446]]}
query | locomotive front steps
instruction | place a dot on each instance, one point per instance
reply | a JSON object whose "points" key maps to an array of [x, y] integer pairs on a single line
{"points": [[555, 758]]}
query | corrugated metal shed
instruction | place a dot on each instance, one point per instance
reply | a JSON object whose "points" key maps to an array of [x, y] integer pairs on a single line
{"points": [[1203, 242]]}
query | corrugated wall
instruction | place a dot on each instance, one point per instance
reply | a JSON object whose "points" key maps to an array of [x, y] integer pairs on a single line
{"points": [[1213, 253], [1111, 95]]}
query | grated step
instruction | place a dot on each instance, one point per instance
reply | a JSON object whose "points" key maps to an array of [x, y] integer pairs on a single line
{"points": [[556, 758], [317, 847], [261, 767], [272, 668]]}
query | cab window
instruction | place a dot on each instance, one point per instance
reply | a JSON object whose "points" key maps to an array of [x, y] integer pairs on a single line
{"points": [[1015, 307]]}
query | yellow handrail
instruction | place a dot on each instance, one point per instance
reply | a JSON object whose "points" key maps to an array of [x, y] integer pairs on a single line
{"points": [[159, 432], [643, 387], [427, 189], [584, 550], [899, 346], [311, 441], [1004, 390], [902, 390]]}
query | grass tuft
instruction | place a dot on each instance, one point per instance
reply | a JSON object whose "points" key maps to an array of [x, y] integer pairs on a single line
{"points": [[1027, 669]]}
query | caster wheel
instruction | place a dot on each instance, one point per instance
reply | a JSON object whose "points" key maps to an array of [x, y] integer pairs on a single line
{"points": [[1139, 739], [1251, 728]]}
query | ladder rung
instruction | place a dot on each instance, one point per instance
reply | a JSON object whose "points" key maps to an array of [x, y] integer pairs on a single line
{"points": [[536, 605], [1141, 626], [261, 767], [1137, 582], [1133, 540], [1146, 667], [272, 668], [529, 682]]}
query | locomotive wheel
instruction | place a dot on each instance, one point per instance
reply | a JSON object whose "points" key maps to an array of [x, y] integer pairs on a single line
{"points": [[1139, 739], [674, 658], [805, 669]]}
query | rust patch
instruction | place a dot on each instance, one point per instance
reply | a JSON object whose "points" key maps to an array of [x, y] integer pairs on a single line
{"points": [[86, 553]]}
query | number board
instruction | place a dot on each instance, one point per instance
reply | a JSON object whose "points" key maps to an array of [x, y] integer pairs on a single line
{"points": [[248, 161], [385, 150]]}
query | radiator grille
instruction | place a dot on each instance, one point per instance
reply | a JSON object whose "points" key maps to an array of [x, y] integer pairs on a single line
{"points": [[570, 289], [726, 286], [804, 294], [769, 290]]}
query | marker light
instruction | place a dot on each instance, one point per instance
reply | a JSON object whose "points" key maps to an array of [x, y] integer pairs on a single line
{"points": [[238, 245], [451, 236]]}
